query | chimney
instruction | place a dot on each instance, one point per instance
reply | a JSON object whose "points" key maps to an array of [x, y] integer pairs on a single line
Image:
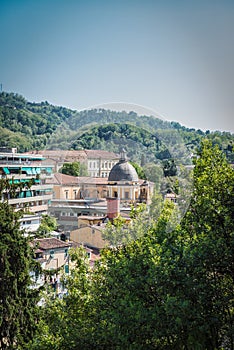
{"points": [[113, 207]]}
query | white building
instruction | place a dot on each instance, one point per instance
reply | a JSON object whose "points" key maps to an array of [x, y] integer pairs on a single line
{"points": [[33, 194]]}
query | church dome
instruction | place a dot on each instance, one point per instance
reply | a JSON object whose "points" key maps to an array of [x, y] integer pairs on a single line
{"points": [[123, 171]]}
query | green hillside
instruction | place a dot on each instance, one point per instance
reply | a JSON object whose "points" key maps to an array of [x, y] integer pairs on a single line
{"points": [[28, 125]]}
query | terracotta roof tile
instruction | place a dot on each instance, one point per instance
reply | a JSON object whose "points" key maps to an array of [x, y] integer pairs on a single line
{"points": [[63, 179], [50, 243], [95, 153]]}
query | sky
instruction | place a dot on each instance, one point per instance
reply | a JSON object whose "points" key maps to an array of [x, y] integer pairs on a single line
{"points": [[175, 58]]}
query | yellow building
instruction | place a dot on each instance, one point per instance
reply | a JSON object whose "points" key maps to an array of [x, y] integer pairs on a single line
{"points": [[123, 183], [89, 232]]}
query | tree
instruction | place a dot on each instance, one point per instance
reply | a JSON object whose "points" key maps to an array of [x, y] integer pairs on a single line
{"points": [[47, 225], [139, 170], [17, 299], [65, 323], [171, 288], [131, 281], [153, 173], [169, 168], [74, 169], [209, 256], [115, 232]]}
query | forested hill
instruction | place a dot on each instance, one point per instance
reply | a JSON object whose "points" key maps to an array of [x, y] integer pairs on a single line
{"points": [[28, 125]]}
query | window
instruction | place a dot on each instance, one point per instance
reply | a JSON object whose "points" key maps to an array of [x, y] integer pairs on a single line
{"points": [[126, 195], [66, 194], [39, 255], [75, 193], [52, 254]]}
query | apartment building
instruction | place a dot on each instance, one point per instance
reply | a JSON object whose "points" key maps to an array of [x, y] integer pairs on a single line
{"points": [[21, 169]]}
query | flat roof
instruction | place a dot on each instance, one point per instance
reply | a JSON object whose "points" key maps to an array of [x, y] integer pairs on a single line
{"points": [[4, 155]]}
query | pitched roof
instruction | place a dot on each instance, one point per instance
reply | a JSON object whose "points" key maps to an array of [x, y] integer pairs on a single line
{"points": [[63, 179], [95, 153], [61, 154], [79, 154], [50, 243]]}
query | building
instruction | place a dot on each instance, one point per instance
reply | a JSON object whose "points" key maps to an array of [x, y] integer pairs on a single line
{"points": [[30, 223], [53, 256], [98, 162], [68, 187], [75, 196], [79, 196], [90, 228], [25, 169], [123, 183], [89, 232]]}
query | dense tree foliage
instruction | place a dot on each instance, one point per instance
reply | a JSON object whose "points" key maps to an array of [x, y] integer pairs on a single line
{"points": [[140, 171], [74, 169], [170, 288], [28, 125], [17, 299], [47, 225]]}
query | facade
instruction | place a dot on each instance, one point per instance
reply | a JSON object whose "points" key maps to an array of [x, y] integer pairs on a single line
{"points": [[75, 196], [52, 254], [67, 212], [123, 183], [89, 232], [68, 187], [98, 162], [30, 223], [21, 168], [90, 228], [58, 157]]}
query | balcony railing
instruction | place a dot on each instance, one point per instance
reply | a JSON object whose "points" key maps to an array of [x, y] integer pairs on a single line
{"points": [[46, 197]]}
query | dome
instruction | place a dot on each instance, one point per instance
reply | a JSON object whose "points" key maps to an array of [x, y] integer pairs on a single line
{"points": [[123, 171]]}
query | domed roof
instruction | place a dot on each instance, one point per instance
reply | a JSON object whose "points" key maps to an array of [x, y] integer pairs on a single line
{"points": [[123, 171]]}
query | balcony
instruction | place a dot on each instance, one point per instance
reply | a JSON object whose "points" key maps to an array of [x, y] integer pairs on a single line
{"points": [[46, 197]]}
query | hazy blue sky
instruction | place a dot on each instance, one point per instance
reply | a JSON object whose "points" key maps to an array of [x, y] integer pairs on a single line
{"points": [[175, 57]]}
